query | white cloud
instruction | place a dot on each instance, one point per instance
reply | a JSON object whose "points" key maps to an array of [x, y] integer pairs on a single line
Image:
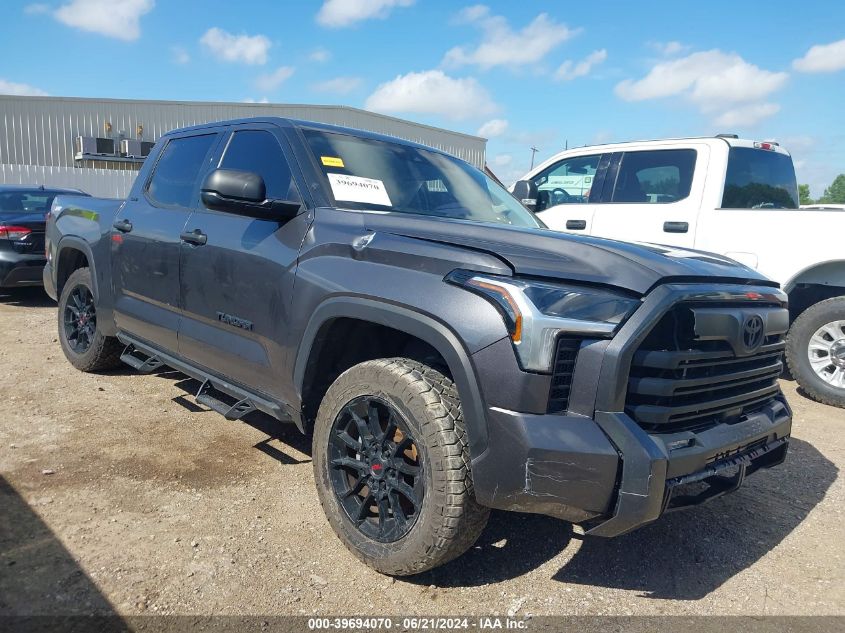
{"points": [[180, 55], [502, 46], [502, 160], [569, 70], [493, 128], [746, 115], [432, 92], [669, 49], [822, 58], [341, 13], [339, 85], [21, 90], [272, 81], [261, 100], [120, 19], [320, 55], [719, 84], [247, 49]]}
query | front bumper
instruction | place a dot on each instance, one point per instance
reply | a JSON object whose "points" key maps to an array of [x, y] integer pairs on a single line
{"points": [[610, 474], [595, 464], [17, 269]]}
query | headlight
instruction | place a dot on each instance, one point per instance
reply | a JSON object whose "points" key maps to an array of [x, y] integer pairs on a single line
{"points": [[536, 312]]}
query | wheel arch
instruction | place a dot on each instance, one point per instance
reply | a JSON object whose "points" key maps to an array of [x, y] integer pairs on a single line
{"points": [[72, 254], [815, 283], [421, 327]]}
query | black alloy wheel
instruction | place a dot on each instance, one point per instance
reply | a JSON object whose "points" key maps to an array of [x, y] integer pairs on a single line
{"points": [[80, 319], [375, 469]]}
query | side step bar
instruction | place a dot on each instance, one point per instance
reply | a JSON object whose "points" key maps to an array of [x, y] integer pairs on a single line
{"points": [[145, 365], [212, 397], [215, 393]]}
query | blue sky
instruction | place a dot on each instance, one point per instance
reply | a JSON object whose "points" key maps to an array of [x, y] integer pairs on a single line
{"points": [[522, 73]]}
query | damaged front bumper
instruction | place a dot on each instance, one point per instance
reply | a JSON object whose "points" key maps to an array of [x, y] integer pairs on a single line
{"points": [[610, 474]]}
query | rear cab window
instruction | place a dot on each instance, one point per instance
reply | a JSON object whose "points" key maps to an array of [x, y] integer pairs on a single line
{"points": [[654, 176], [759, 179], [174, 178]]}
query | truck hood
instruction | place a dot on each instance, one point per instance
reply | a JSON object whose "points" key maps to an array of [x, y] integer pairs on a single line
{"points": [[562, 256]]}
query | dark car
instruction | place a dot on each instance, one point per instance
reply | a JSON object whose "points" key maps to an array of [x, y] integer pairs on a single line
{"points": [[447, 353], [22, 219]]}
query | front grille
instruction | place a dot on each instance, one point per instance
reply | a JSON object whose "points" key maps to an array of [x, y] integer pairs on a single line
{"points": [[680, 383], [565, 355]]}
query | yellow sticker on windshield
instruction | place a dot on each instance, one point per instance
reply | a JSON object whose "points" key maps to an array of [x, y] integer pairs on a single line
{"points": [[332, 161]]}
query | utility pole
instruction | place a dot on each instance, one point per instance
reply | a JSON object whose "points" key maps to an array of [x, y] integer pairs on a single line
{"points": [[534, 150]]}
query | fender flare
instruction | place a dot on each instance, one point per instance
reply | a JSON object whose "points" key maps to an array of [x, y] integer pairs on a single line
{"points": [[414, 323], [837, 265], [76, 243]]}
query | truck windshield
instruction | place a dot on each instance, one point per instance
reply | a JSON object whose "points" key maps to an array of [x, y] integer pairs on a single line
{"points": [[370, 174], [759, 179]]}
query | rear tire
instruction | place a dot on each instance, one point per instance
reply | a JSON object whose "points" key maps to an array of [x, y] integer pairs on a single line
{"points": [[82, 342], [424, 405], [814, 351]]}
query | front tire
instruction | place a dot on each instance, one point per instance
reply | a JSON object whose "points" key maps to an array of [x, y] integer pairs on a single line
{"points": [[391, 464], [83, 343], [815, 351]]}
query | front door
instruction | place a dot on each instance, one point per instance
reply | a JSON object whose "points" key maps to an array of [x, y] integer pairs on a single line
{"points": [[146, 244], [237, 286], [566, 191]]}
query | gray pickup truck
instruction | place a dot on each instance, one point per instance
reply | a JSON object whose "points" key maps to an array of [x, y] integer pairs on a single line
{"points": [[447, 353]]}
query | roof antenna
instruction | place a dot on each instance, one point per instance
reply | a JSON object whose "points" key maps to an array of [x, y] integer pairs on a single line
{"points": [[534, 150]]}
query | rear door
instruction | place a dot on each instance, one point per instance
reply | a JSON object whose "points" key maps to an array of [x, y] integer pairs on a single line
{"points": [[236, 287], [567, 192], [653, 195], [146, 242]]}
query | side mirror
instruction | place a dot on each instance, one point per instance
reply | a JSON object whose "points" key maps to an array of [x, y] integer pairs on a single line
{"points": [[526, 192], [244, 193]]}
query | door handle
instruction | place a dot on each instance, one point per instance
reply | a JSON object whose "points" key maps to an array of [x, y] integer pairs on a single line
{"points": [[124, 226], [675, 227], [196, 237], [576, 225]]}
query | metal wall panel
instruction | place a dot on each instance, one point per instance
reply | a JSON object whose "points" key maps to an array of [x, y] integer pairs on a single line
{"points": [[41, 130], [103, 183]]}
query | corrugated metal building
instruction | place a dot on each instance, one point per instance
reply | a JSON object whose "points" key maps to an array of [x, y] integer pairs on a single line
{"points": [[38, 137]]}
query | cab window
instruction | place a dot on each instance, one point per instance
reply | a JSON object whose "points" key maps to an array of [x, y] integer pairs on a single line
{"points": [[567, 182], [655, 176], [174, 180]]}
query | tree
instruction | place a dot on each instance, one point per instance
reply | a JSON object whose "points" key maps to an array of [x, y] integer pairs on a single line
{"points": [[835, 194], [804, 194]]}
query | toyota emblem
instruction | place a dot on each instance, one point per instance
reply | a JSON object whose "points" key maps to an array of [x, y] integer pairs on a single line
{"points": [[752, 332]]}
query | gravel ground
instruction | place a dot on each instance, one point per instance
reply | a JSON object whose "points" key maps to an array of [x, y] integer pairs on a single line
{"points": [[120, 495]]}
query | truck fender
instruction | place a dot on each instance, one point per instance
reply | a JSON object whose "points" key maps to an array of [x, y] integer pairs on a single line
{"points": [[412, 322], [829, 273], [71, 242]]}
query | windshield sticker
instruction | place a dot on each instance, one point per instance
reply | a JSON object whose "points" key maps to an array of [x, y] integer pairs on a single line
{"points": [[332, 161], [357, 189]]}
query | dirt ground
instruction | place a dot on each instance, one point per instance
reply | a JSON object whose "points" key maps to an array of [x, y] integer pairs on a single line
{"points": [[119, 495]]}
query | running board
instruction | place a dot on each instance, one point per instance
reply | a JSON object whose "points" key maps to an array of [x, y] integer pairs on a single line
{"points": [[212, 386], [140, 361], [210, 396]]}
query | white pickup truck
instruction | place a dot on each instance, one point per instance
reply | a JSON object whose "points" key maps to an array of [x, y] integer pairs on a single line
{"points": [[721, 194]]}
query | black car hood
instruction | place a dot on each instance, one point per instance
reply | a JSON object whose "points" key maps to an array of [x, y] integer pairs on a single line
{"points": [[546, 253]]}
